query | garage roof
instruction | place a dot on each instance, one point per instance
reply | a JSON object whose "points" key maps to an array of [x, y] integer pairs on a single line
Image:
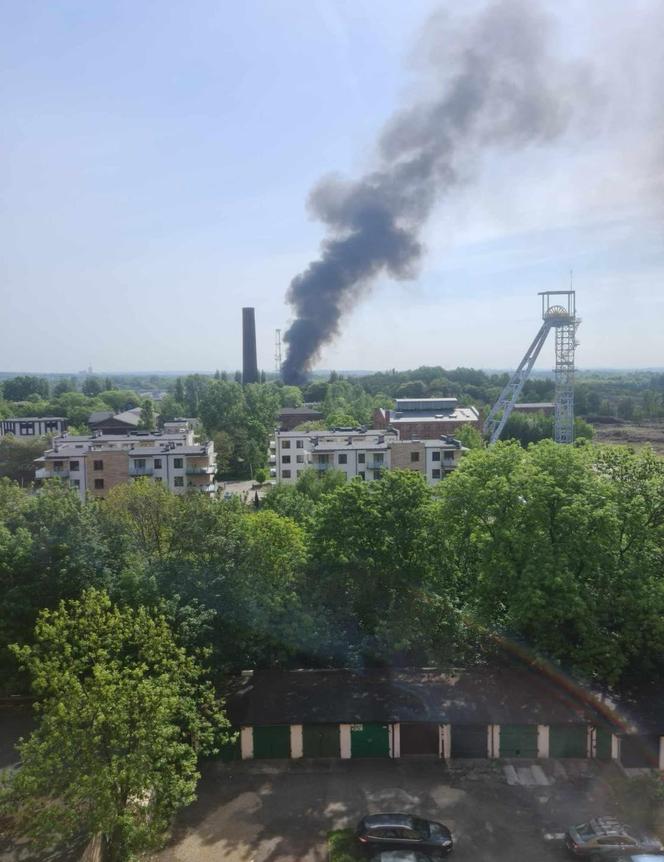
{"points": [[514, 695]]}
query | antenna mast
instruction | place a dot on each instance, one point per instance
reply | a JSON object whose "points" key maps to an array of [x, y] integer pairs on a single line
{"points": [[277, 351]]}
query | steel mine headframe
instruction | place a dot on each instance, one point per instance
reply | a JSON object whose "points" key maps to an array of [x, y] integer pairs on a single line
{"points": [[560, 315]]}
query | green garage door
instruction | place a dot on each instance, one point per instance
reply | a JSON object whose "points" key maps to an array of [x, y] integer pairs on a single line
{"points": [[568, 740], [320, 740], [603, 743], [369, 740], [272, 741], [518, 740]]}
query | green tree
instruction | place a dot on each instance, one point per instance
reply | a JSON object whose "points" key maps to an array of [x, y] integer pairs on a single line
{"points": [[291, 396], [91, 386], [125, 714], [22, 387], [17, 457], [120, 399], [170, 409], [559, 547], [147, 415]]}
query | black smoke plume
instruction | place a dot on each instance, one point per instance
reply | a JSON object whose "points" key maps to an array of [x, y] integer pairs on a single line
{"points": [[493, 83]]}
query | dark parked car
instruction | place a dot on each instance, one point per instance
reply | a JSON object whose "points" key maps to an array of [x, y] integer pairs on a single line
{"points": [[607, 838], [402, 856], [380, 832]]}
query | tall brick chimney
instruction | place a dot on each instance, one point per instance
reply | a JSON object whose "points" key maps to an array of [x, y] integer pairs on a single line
{"points": [[249, 360]]}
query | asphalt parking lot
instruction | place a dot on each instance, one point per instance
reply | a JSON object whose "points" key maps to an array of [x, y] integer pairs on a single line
{"points": [[274, 811]]}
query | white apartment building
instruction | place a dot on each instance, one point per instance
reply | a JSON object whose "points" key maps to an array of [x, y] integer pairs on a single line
{"points": [[362, 453], [93, 465]]}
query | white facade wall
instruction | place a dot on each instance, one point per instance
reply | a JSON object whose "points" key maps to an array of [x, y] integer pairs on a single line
{"points": [[295, 451]]}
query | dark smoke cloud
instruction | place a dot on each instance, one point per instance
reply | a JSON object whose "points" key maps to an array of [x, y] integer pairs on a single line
{"points": [[495, 83]]}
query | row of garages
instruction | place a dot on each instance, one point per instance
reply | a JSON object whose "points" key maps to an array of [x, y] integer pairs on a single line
{"points": [[422, 739]]}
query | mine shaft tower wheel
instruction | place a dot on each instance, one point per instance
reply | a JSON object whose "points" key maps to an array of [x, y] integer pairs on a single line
{"points": [[558, 314]]}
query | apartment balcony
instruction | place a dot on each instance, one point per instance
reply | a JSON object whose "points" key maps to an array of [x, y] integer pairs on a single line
{"points": [[50, 473], [141, 471], [376, 465], [200, 470], [322, 465]]}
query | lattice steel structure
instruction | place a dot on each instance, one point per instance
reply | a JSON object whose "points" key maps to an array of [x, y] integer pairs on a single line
{"points": [[277, 351], [560, 315]]}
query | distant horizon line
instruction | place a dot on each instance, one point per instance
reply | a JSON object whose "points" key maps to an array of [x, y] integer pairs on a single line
{"points": [[317, 372]]}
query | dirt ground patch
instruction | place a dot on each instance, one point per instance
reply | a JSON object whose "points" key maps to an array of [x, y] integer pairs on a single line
{"points": [[624, 433]]}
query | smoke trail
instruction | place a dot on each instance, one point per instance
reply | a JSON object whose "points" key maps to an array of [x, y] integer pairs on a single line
{"points": [[494, 84]]}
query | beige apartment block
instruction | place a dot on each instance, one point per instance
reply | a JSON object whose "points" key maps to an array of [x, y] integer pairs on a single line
{"points": [[408, 455], [105, 470]]}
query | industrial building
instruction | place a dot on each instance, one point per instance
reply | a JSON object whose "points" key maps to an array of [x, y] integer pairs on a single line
{"points": [[364, 454], [94, 464], [426, 418]]}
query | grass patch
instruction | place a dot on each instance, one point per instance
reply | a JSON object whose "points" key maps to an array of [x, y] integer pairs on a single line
{"points": [[342, 846]]}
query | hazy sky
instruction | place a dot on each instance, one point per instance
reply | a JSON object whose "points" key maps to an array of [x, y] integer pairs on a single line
{"points": [[156, 159]]}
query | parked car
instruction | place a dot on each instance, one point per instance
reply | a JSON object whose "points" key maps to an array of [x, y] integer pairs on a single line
{"points": [[402, 856], [384, 832], [608, 838]]}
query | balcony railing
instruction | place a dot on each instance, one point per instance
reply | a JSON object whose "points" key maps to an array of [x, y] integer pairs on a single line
{"points": [[201, 471], [49, 473], [141, 471], [376, 465]]}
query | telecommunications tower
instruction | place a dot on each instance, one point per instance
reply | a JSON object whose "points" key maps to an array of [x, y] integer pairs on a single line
{"points": [[558, 314]]}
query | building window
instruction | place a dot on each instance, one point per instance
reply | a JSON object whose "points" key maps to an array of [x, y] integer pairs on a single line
{"points": [[414, 456], [448, 456], [178, 463], [343, 458], [285, 474], [139, 463], [75, 483], [27, 428], [299, 444], [98, 465], [435, 474], [99, 484], [157, 478], [73, 466], [360, 458], [58, 465], [285, 459], [435, 455], [361, 474], [179, 481], [157, 463], [299, 459], [285, 444]]}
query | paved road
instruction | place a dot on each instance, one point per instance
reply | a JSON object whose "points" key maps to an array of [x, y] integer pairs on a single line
{"points": [[276, 812]]}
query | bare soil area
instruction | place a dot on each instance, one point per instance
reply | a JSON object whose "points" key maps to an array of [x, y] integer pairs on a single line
{"points": [[626, 433]]}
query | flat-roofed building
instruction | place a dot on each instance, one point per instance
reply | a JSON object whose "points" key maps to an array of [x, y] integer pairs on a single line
{"points": [[33, 426], [426, 418], [93, 465], [362, 453]]}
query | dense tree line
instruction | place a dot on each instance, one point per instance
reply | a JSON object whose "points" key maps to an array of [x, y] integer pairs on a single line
{"points": [[560, 548]]}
